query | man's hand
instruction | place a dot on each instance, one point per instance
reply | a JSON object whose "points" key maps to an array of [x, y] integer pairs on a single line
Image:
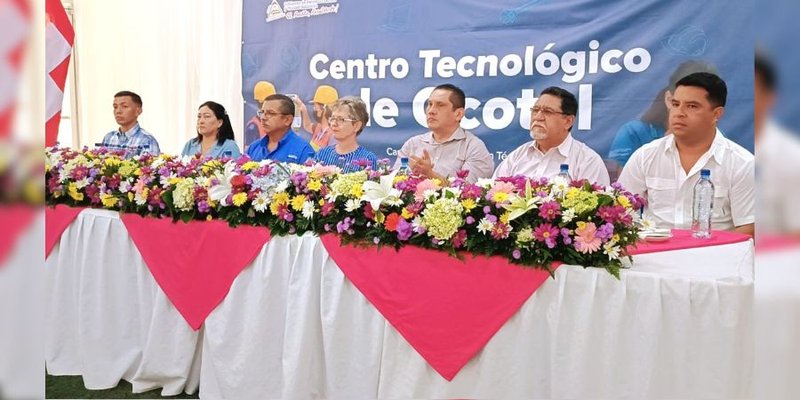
{"points": [[423, 165]]}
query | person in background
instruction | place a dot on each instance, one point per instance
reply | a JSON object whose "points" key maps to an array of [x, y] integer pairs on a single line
{"points": [[447, 148], [129, 136], [253, 129], [665, 170], [320, 131], [348, 118], [214, 134], [551, 122], [280, 142]]}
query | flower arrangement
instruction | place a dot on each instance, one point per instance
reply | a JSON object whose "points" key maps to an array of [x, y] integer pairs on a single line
{"points": [[531, 221]]}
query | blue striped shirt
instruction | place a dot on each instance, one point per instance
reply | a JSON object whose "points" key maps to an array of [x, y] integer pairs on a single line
{"points": [[136, 141], [329, 156]]}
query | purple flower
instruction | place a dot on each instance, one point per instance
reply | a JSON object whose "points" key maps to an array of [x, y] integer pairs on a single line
{"points": [[404, 230], [565, 236], [487, 209], [605, 232], [516, 254], [203, 207], [470, 220], [491, 218], [343, 225]]}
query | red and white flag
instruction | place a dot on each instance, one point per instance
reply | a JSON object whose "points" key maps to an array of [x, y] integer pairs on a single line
{"points": [[15, 18], [59, 38]]}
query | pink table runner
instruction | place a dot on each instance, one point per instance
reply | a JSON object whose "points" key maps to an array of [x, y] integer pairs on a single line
{"points": [[447, 309], [682, 239], [195, 264], [16, 219], [768, 243], [56, 220]]}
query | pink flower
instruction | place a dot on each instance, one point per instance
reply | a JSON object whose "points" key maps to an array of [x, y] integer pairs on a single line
{"points": [[585, 239], [500, 231], [499, 193], [424, 186], [546, 233], [460, 238], [550, 210]]}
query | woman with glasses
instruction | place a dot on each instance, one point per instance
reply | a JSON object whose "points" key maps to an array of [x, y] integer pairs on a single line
{"points": [[214, 134], [348, 118]]}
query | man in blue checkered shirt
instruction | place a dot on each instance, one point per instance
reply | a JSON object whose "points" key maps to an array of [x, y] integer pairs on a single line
{"points": [[130, 136]]}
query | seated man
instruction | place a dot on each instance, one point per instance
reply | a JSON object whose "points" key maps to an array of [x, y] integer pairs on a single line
{"points": [[665, 170], [130, 136], [446, 148], [551, 121], [280, 142]]}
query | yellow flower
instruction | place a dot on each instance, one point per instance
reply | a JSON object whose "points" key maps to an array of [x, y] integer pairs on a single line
{"points": [[130, 196], [297, 202], [580, 200], [249, 166], [239, 199], [126, 169], [504, 218], [581, 224], [399, 178], [615, 238], [500, 197], [273, 208], [72, 189], [174, 180], [379, 217], [468, 204], [443, 218], [112, 161], [314, 185], [406, 214], [623, 201], [280, 199], [321, 202], [209, 217], [108, 200], [356, 192]]}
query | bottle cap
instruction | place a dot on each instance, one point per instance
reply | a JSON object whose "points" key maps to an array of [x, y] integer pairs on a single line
{"points": [[564, 167], [705, 173]]}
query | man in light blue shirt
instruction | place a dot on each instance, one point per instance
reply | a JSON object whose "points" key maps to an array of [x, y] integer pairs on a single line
{"points": [[280, 142], [130, 136]]}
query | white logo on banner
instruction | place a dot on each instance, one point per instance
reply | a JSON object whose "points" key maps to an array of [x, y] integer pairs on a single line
{"points": [[301, 9]]}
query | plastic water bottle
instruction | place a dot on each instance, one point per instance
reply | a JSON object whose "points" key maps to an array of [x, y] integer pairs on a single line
{"points": [[702, 205], [404, 169], [564, 173]]}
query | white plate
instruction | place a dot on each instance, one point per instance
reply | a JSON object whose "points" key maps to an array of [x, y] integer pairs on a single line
{"points": [[657, 238]]}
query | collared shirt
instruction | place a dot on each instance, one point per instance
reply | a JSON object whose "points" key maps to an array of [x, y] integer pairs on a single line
{"points": [[135, 141], [528, 160], [227, 149], [329, 156], [654, 171], [777, 171], [291, 148], [462, 151]]}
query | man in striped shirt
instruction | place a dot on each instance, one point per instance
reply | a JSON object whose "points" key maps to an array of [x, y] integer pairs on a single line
{"points": [[130, 136]]}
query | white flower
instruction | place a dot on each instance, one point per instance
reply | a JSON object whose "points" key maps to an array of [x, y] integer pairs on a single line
{"points": [[485, 225], [139, 199], [125, 186], [183, 195], [417, 224], [376, 193], [560, 187], [485, 183], [568, 215], [454, 191], [612, 250], [282, 186], [430, 194], [223, 188], [352, 205], [308, 209], [157, 163], [261, 202], [82, 183]]}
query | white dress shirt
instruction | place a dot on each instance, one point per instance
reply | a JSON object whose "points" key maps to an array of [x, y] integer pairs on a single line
{"points": [[654, 171], [528, 160], [778, 174]]}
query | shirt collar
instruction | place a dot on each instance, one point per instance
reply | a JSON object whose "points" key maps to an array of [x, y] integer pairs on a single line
{"points": [[458, 134], [563, 148], [717, 150], [131, 131]]}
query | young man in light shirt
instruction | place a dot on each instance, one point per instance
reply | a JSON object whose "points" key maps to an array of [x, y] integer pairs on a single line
{"points": [[446, 148], [551, 121], [665, 171], [130, 136]]}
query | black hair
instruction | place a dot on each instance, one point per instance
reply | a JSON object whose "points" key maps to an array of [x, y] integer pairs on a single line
{"points": [[226, 130], [287, 105], [765, 70], [569, 105], [134, 97], [658, 113], [713, 84], [457, 96]]}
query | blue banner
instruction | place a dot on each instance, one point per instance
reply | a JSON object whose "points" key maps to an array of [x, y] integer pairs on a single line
{"points": [[616, 57]]}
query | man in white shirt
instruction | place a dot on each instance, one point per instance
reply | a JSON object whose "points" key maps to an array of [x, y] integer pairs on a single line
{"points": [[665, 170], [777, 159], [446, 148], [551, 121]]}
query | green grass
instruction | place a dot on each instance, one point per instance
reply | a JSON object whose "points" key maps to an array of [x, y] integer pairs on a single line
{"points": [[71, 387]]}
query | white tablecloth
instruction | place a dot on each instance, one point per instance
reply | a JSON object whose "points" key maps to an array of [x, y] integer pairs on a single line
{"points": [[293, 326]]}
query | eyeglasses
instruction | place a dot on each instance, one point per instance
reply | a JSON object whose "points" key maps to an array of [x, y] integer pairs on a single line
{"points": [[546, 111], [269, 114], [339, 120]]}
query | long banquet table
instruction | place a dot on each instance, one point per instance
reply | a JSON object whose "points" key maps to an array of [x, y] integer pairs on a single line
{"points": [[678, 324]]}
